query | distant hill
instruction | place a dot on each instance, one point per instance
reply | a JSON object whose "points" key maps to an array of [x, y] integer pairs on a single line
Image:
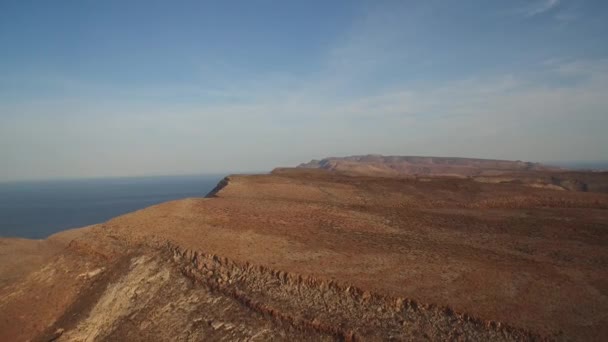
{"points": [[375, 165], [582, 165], [480, 170]]}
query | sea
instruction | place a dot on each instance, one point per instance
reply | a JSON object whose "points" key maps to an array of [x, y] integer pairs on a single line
{"points": [[37, 209]]}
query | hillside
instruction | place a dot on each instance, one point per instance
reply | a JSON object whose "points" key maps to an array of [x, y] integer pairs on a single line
{"points": [[311, 254], [482, 170]]}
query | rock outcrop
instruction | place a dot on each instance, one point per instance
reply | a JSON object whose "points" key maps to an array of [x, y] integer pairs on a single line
{"points": [[343, 312]]}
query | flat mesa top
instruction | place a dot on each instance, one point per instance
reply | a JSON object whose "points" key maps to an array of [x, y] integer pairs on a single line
{"points": [[522, 253], [457, 242]]}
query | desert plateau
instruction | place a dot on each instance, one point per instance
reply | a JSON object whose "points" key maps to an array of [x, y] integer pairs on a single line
{"points": [[368, 248], [303, 171]]}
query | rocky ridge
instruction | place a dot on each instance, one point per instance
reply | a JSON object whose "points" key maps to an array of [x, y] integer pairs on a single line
{"points": [[343, 312]]}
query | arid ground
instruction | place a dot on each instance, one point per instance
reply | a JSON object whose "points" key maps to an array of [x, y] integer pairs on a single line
{"points": [[318, 254]]}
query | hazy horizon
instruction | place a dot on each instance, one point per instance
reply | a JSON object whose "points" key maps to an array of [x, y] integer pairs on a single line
{"points": [[572, 165], [113, 89]]}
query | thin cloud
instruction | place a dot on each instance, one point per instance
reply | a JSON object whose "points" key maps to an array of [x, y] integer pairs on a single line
{"points": [[566, 16], [239, 120], [542, 7]]}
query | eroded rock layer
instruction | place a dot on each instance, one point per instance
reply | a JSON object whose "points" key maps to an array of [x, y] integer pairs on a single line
{"points": [[343, 312]]}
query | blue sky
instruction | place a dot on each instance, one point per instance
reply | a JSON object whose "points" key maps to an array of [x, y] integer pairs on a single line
{"points": [[117, 88]]}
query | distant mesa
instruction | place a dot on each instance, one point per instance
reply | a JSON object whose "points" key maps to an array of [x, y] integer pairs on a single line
{"points": [[530, 174], [378, 165]]}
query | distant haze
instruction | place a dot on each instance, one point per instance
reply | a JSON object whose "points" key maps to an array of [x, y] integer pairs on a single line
{"points": [[115, 88], [581, 165]]}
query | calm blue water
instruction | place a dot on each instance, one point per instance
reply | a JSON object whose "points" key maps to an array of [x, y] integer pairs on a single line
{"points": [[41, 208]]}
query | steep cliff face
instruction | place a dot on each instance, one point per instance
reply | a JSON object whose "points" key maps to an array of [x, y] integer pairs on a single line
{"points": [[314, 255], [222, 184]]}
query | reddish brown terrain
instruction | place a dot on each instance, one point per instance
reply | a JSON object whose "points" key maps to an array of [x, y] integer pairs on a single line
{"points": [[329, 254]]}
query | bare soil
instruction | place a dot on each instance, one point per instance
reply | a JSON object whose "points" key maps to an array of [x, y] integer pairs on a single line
{"points": [[311, 254]]}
